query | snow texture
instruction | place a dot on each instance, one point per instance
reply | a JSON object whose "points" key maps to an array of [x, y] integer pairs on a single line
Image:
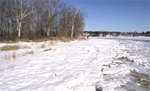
{"points": [[95, 64]]}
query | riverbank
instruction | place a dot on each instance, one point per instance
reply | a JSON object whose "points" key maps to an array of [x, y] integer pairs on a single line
{"points": [[86, 65]]}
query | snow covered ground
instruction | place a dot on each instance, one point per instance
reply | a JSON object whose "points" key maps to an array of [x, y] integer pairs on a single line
{"points": [[96, 63]]}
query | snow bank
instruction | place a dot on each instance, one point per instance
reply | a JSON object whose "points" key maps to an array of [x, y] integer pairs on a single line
{"points": [[87, 65]]}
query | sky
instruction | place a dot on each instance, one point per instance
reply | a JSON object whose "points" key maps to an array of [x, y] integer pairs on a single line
{"points": [[115, 15]]}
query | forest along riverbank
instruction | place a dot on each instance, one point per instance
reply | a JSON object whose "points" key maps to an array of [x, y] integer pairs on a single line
{"points": [[90, 65]]}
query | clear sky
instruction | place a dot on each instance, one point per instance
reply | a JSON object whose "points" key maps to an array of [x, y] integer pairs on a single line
{"points": [[115, 15]]}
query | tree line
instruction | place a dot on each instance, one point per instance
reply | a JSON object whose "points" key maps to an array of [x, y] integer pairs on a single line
{"points": [[113, 33], [33, 19]]}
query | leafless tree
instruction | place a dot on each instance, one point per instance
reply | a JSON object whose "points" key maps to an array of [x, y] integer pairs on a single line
{"points": [[22, 11], [74, 12], [39, 18]]}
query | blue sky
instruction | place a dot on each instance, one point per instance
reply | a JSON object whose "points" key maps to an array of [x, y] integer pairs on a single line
{"points": [[115, 15]]}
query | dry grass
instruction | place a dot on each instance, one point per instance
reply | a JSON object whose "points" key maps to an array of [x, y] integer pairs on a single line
{"points": [[122, 86], [144, 79], [144, 82], [13, 47], [121, 58], [134, 73], [7, 57], [52, 42], [118, 62], [29, 52], [106, 74], [64, 39], [81, 38], [47, 49], [126, 50], [139, 75], [105, 65], [40, 40], [14, 55], [10, 47], [43, 46], [54, 38], [25, 47]]}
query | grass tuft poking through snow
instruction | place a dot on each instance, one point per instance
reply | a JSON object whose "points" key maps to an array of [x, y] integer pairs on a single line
{"points": [[10, 47], [121, 58], [28, 52], [144, 81], [7, 57], [52, 42], [48, 49], [43, 46], [14, 55], [25, 47], [80, 39], [66, 39], [13, 47]]}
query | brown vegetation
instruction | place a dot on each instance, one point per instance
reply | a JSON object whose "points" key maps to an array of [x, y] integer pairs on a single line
{"points": [[126, 50], [7, 57], [122, 86], [134, 73], [144, 79], [25, 47], [81, 38], [10, 47], [13, 47], [14, 55], [144, 82], [52, 42], [117, 62], [43, 46], [29, 52], [121, 58], [47, 49]]}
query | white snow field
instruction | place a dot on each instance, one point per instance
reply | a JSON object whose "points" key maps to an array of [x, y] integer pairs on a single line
{"points": [[95, 64]]}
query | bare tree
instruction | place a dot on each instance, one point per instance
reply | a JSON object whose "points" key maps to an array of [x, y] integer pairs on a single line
{"points": [[2, 17], [74, 12], [50, 15], [39, 18], [10, 17], [22, 11]]}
